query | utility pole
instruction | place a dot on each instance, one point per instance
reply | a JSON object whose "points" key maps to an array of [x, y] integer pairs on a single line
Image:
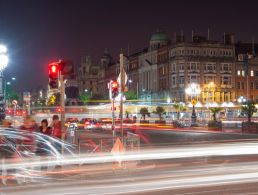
{"points": [[121, 89], [112, 99]]}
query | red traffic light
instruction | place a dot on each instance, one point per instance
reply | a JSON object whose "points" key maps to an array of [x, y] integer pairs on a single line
{"points": [[114, 85], [114, 88], [53, 70]]}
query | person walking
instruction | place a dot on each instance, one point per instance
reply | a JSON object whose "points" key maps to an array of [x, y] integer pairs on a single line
{"points": [[56, 127], [30, 127], [44, 128]]}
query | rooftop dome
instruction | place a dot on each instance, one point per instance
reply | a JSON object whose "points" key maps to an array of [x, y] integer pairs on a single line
{"points": [[159, 36]]}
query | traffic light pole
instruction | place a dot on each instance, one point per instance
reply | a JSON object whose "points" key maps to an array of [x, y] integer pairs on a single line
{"points": [[121, 93], [113, 119], [62, 105]]}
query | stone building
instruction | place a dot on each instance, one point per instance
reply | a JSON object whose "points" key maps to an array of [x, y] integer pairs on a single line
{"points": [[108, 71], [210, 64], [247, 71], [87, 76]]}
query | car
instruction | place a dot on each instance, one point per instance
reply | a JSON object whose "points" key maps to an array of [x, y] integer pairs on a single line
{"points": [[106, 123], [90, 124], [72, 121], [18, 145]]}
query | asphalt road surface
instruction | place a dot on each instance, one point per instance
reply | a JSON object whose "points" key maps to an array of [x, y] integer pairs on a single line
{"points": [[238, 175]]}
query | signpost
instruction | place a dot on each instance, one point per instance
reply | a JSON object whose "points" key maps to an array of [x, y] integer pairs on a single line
{"points": [[121, 80]]}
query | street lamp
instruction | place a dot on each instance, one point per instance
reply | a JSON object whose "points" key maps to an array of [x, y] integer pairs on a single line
{"points": [[193, 90], [241, 99], [3, 64], [13, 78]]}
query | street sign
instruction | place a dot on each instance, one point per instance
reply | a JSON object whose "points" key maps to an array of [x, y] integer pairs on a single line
{"points": [[119, 78], [194, 102], [14, 102]]}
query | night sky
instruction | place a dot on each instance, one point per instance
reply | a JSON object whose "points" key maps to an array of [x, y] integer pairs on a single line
{"points": [[39, 31]]}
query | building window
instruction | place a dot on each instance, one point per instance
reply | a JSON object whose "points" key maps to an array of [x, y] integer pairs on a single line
{"points": [[193, 79], [238, 85], [182, 66], [226, 67], [83, 82], [173, 68], [181, 80], [173, 80], [256, 73], [243, 73], [84, 70], [252, 85], [243, 85], [256, 85], [193, 66], [209, 67], [225, 80], [238, 73], [252, 73]]}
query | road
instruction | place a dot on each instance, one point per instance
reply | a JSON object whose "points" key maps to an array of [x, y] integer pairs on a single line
{"points": [[196, 163], [238, 175]]}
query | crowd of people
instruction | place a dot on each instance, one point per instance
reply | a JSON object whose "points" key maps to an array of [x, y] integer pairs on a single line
{"points": [[29, 124]]}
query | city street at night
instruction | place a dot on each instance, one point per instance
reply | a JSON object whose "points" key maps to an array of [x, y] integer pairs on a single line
{"points": [[128, 97]]}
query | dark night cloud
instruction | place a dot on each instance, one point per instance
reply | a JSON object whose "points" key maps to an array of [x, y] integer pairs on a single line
{"points": [[37, 32]]}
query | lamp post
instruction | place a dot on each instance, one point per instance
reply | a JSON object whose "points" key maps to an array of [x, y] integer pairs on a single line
{"points": [[193, 90], [241, 100], [3, 64]]}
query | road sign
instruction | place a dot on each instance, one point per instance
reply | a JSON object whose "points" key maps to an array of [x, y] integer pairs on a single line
{"points": [[194, 102], [14, 102], [119, 78]]}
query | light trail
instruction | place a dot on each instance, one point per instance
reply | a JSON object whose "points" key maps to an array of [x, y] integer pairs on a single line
{"points": [[149, 181], [205, 150]]}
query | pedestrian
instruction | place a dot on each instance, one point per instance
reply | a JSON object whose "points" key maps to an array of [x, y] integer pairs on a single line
{"points": [[30, 127], [7, 123], [29, 124], [44, 128], [56, 127]]}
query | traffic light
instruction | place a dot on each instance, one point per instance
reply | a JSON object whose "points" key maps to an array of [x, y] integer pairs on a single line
{"points": [[114, 88], [53, 71], [66, 69]]}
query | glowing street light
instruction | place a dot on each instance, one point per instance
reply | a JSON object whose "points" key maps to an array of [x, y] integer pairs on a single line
{"points": [[193, 90], [3, 64], [3, 58], [241, 99]]}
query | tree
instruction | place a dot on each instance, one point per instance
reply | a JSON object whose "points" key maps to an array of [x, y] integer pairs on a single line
{"points": [[159, 111], [127, 113], [249, 109], [11, 94], [215, 111], [84, 97], [144, 111], [130, 95], [179, 108]]}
